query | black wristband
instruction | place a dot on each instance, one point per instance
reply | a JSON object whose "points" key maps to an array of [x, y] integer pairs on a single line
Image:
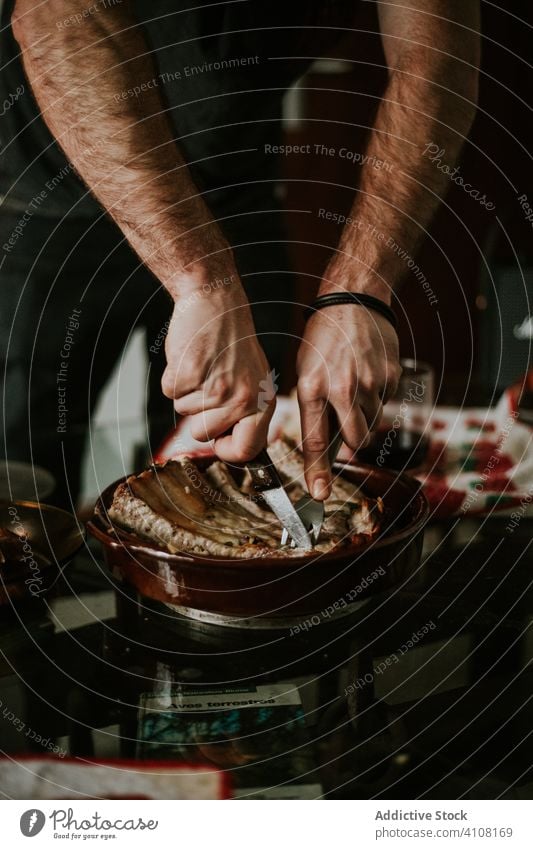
{"points": [[361, 300]]}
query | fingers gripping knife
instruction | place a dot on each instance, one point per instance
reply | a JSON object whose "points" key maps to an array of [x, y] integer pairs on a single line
{"points": [[311, 512], [266, 480]]}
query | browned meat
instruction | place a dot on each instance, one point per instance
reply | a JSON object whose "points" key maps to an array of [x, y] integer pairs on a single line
{"points": [[180, 508]]}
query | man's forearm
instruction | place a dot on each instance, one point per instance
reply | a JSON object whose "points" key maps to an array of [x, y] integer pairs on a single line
{"points": [[430, 98], [121, 147]]}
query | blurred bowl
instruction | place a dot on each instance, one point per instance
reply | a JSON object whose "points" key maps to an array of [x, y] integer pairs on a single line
{"points": [[44, 539], [273, 592], [24, 481]]}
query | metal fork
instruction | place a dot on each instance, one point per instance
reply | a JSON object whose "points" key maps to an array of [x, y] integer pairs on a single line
{"points": [[311, 512]]}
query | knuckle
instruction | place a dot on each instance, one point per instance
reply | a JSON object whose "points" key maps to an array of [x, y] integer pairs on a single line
{"points": [[396, 371], [315, 444], [186, 374], [343, 391], [244, 399], [351, 438], [168, 383], [200, 431], [310, 387], [242, 453], [220, 389], [181, 408], [392, 380]]}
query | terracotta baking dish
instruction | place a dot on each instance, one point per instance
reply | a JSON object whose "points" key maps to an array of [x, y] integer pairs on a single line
{"points": [[274, 589]]}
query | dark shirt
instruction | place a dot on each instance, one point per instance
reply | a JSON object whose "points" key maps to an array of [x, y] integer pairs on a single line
{"points": [[222, 71]]}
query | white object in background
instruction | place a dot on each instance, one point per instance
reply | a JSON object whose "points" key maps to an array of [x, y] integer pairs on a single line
{"points": [[118, 423]]}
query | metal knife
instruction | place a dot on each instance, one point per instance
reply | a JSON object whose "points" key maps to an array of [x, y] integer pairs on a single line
{"points": [[266, 480], [310, 511]]}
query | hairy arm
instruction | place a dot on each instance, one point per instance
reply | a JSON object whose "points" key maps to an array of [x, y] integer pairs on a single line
{"points": [[432, 53], [81, 60], [349, 356], [121, 146]]}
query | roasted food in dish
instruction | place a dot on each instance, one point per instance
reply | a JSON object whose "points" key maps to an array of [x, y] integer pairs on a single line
{"points": [[214, 513]]}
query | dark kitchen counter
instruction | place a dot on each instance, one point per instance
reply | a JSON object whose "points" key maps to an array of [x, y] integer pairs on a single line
{"points": [[425, 694]]}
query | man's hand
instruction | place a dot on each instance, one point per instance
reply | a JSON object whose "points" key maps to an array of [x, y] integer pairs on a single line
{"points": [[348, 361], [217, 372]]}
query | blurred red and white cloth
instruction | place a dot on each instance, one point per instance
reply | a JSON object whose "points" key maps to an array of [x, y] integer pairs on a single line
{"points": [[71, 778], [479, 460]]}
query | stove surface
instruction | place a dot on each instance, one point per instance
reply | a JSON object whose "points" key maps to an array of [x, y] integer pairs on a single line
{"points": [[423, 692]]}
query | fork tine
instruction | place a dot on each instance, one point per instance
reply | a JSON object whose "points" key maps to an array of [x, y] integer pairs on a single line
{"points": [[311, 512]]}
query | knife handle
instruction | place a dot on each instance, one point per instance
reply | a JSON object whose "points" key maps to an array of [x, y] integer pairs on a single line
{"points": [[263, 472]]}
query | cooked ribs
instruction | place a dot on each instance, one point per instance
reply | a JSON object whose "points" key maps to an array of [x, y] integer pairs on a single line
{"points": [[182, 509]]}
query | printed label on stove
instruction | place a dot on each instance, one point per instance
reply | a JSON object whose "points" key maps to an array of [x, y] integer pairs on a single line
{"points": [[204, 700], [258, 733]]}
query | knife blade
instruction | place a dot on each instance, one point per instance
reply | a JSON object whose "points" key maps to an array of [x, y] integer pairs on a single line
{"points": [[266, 480], [310, 511]]}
